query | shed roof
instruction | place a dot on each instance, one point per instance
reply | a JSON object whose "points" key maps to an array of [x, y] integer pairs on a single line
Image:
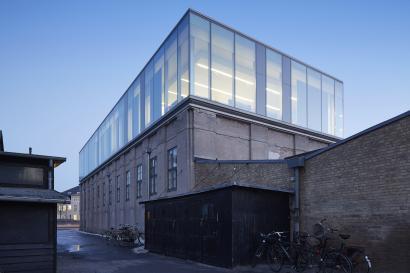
{"points": [[31, 195]]}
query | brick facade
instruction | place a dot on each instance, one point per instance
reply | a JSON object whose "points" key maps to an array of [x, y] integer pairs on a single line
{"points": [[363, 188]]}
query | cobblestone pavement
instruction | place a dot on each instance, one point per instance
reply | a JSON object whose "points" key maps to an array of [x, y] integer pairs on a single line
{"points": [[84, 253]]}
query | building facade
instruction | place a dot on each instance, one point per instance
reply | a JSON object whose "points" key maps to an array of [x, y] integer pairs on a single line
{"points": [[71, 210], [208, 92]]}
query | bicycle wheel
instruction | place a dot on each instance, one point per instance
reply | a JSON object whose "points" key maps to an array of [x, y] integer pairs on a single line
{"points": [[335, 262], [275, 258], [360, 262]]}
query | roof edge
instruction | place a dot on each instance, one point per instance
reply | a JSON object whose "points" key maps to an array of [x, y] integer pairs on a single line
{"points": [[357, 135]]}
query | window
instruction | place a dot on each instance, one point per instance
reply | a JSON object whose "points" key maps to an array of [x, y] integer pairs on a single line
{"points": [[245, 74], [328, 105], [314, 100], [339, 109], [298, 97], [139, 181], [171, 88], [127, 185], [153, 176], [134, 116], [109, 192], [159, 100], [149, 90], [118, 189], [273, 84], [183, 58], [199, 56], [98, 196], [222, 50], [103, 197], [172, 169]]}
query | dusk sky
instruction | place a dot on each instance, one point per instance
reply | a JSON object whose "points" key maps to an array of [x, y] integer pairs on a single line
{"points": [[64, 64]]}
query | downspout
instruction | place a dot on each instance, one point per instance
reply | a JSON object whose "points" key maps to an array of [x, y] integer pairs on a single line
{"points": [[296, 164], [296, 206]]}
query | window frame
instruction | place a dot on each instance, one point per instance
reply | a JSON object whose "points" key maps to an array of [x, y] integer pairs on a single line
{"points": [[117, 189], [138, 177], [153, 174], [172, 169], [127, 185]]}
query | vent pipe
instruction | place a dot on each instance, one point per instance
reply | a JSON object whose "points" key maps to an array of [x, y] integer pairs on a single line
{"points": [[1, 142]]}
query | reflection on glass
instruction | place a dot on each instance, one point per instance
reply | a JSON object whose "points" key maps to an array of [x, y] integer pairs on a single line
{"points": [[339, 109], [199, 56], [183, 59], [245, 74], [328, 105], [298, 97], [171, 89], [314, 100], [273, 84], [159, 100], [149, 90], [222, 49], [136, 101]]}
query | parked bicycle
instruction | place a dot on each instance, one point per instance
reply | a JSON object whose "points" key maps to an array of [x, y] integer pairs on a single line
{"points": [[307, 251]]}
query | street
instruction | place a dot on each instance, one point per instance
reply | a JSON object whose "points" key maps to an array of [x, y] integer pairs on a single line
{"points": [[84, 253]]}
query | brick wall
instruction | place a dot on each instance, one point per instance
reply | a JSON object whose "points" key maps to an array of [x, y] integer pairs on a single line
{"points": [[267, 175], [363, 188]]}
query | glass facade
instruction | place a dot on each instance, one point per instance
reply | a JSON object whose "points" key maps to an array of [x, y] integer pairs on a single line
{"points": [[273, 84], [222, 62], [299, 94], [202, 58]]}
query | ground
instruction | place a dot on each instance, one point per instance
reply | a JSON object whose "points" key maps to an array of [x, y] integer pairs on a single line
{"points": [[84, 253]]}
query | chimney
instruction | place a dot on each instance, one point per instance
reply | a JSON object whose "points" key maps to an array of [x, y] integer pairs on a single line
{"points": [[30, 150], [1, 142]]}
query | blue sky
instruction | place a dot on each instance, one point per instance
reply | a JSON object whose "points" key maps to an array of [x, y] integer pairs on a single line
{"points": [[64, 64]]}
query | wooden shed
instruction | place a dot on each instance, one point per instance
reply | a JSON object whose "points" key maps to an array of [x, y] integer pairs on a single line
{"points": [[28, 212], [219, 226]]}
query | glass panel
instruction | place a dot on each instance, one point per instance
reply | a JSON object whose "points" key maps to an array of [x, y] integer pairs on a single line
{"points": [[171, 71], [314, 100], [245, 77], [130, 113], [200, 56], [183, 59], [136, 101], [328, 105], [222, 49], [298, 75], [149, 90], [273, 84], [339, 109], [159, 101]]}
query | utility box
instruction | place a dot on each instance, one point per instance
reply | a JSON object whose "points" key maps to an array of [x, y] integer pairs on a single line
{"points": [[218, 227], [28, 205]]}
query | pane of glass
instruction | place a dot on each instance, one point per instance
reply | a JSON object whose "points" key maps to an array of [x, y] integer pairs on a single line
{"points": [[130, 112], [298, 98], [183, 59], [136, 101], [149, 90], [171, 71], [245, 74], [199, 56], [273, 84], [314, 100], [159, 100], [339, 109], [222, 49], [328, 105]]}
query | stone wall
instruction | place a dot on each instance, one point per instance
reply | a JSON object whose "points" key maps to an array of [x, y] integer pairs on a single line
{"points": [[363, 188]]}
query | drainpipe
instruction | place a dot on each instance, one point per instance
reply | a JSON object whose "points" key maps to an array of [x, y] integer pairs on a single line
{"points": [[296, 164], [296, 205]]}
